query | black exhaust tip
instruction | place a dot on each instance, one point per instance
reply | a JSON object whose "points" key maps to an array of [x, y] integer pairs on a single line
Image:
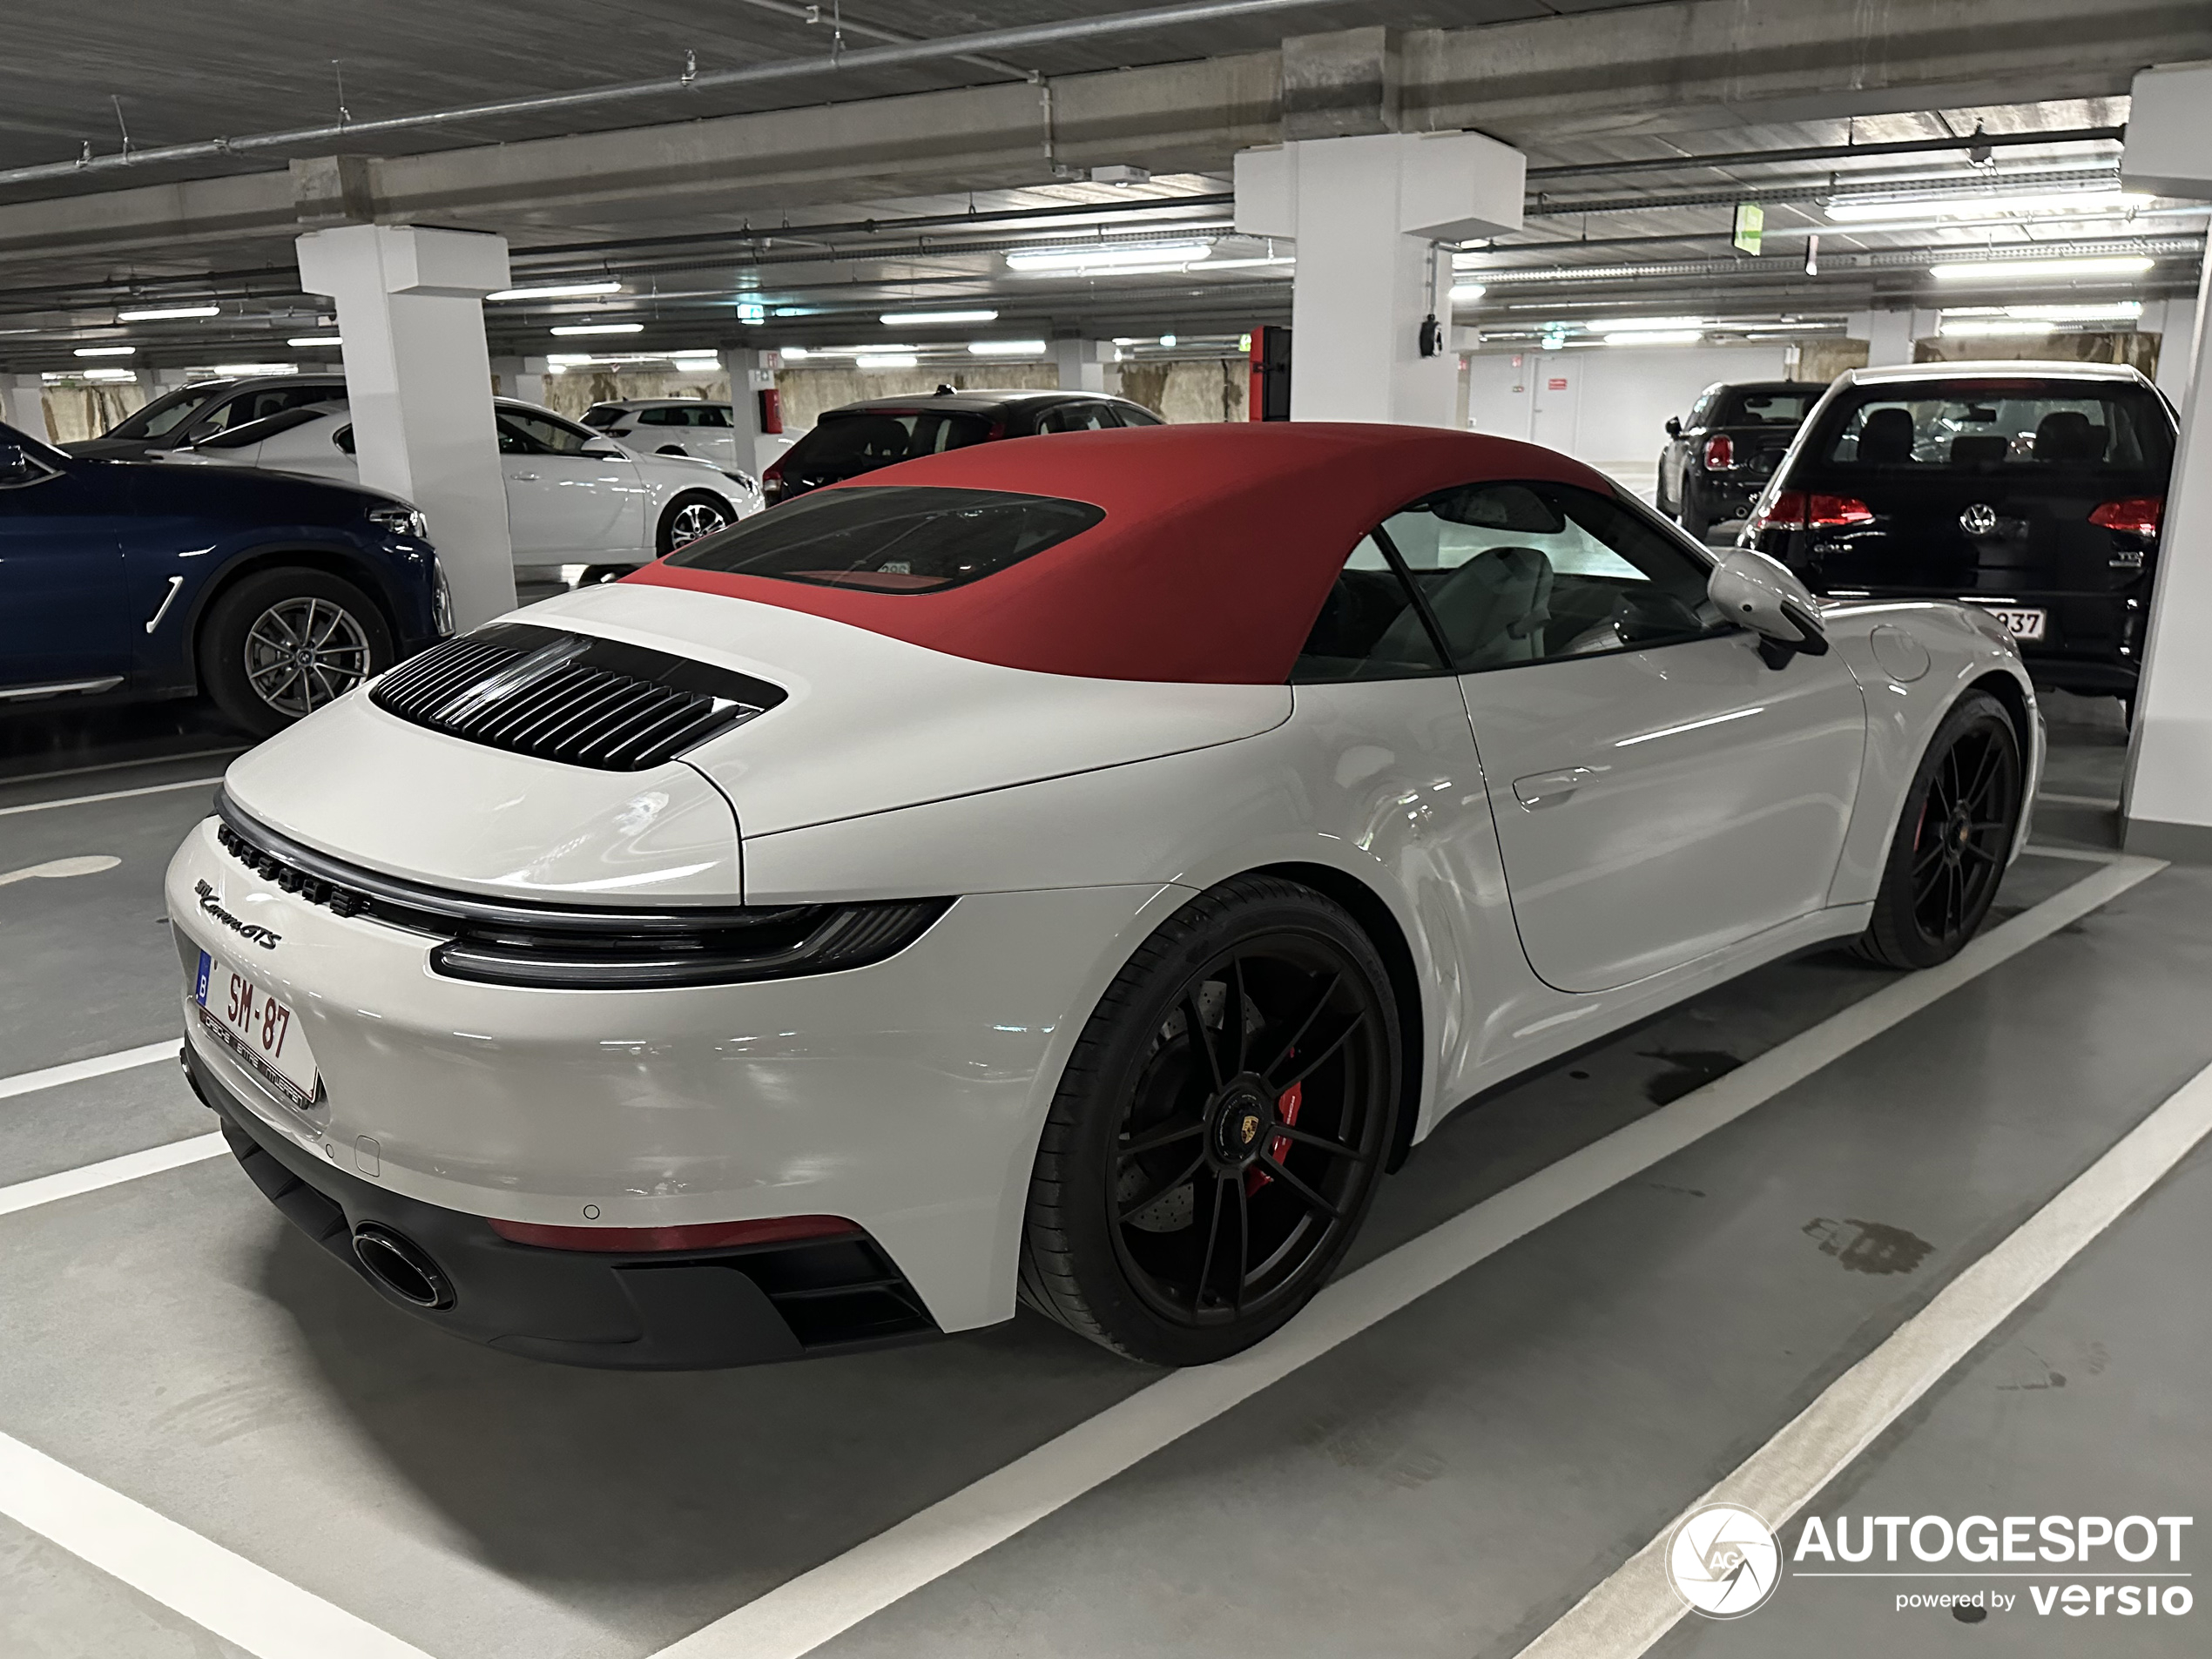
{"points": [[400, 1267]]}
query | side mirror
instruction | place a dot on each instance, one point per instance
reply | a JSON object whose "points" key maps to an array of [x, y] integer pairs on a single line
{"points": [[18, 468], [1759, 593], [603, 450], [1673, 426]]}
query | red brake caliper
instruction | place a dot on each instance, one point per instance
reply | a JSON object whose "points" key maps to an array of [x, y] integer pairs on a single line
{"points": [[1278, 1146]]}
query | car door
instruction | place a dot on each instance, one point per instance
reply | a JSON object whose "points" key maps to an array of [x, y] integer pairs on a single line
{"points": [[65, 619], [570, 496], [714, 435], [1660, 791]]}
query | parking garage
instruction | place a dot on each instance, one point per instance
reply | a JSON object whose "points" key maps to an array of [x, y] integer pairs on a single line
{"points": [[1744, 1282]]}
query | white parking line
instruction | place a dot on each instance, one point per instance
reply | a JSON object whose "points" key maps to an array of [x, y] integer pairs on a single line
{"points": [[2077, 801], [28, 1082], [243, 1604], [112, 794], [29, 1195], [2085, 854], [800, 1614], [1638, 1605]]}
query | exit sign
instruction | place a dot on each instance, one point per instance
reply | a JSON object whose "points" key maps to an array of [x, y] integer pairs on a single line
{"points": [[1558, 383]]}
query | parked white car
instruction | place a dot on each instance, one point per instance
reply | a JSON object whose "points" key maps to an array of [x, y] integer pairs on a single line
{"points": [[573, 497], [670, 426]]}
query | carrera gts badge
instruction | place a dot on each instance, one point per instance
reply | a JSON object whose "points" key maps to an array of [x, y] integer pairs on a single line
{"points": [[211, 905]]}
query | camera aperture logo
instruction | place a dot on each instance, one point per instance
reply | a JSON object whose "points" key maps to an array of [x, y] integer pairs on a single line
{"points": [[1724, 1560]]}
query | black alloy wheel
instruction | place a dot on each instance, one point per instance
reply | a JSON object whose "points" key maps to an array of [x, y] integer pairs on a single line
{"points": [[1949, 856], [1220, 1130]]}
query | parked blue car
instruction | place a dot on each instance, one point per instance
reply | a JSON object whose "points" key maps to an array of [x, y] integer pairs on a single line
{"points": [[271, 594]]}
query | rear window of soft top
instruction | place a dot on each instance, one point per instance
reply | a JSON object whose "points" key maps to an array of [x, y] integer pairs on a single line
{"points": [[900, 539]]}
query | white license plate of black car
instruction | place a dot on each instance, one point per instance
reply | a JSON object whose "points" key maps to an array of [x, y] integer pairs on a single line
{"points": [[257, 1030], [2026, 623]]}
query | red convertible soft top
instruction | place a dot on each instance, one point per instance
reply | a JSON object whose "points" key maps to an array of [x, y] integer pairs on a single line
{"points": [[1219, 545]]}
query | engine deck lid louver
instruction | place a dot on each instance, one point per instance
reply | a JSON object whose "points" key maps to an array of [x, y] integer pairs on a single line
{"points": [[570, 698]]}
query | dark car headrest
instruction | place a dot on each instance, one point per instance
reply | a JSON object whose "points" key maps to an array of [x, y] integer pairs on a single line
{"points": [[1975, 446], [1887, 436], [2068, 434]]}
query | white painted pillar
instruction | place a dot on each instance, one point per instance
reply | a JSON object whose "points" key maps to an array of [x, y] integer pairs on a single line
{"points": [[25, 397], [2176, 327], [520, 377], [1367, 212], [2166, 801], [418, 378], [1888, 336], [748, 378], [1082, 364]]}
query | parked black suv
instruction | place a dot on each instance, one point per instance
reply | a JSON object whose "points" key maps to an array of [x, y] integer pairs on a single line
{"points": [[860, 437], [195, 413], [2033, 489], [1717, 461]]}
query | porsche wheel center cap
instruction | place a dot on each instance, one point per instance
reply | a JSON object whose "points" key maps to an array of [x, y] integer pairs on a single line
{"points": [[1240, 1124]]}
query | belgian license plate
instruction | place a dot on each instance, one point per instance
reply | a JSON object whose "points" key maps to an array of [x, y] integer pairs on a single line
{"points": [[2025, 624], [259, 1031]]}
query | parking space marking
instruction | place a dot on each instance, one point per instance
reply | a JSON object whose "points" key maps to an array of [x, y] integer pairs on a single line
{"points": [[800, 1614], [30, 1082], [249, 1606], [2077, 801], [2085, 854], [1636, 1605], [47, 1188], [112, 794]]}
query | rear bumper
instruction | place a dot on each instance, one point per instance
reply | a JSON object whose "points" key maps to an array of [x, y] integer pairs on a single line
{"points": [[655, 1312]]}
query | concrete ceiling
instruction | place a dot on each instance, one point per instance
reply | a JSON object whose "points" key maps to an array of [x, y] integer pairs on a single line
{"points": [[911, 185]]}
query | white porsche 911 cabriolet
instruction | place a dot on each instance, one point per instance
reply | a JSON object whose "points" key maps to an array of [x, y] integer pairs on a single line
{"points": [[1067, 871]]}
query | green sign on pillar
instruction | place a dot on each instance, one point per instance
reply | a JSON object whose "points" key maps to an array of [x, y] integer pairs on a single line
{"points": [[1750, 225]]}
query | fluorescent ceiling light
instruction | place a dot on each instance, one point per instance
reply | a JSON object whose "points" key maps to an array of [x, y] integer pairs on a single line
{"points": [[303, 341], [1466, 294], [1242, 264], [1637, 325], [559, 290], [103, 351], [1168, 340], [1006, 349], [568, 329], [239, 371], [2113, 269], [164, 313], [886, 360], [1653, 337], [1127, 256], [89, 374], [1997, 326], [2089, 311], [1851, 209], [893, 318], [795, 353]]}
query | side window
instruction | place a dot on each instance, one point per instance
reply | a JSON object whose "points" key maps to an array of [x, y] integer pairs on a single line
{"points": [[540, 435], [1702, 411], [1527, 572], [1132, 414], [1369, 628], [1077, 417], [710, 415], [344, 439], [660, 417]]}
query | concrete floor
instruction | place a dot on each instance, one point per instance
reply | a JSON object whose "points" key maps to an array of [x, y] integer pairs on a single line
{"points": [[1447, 1482]]}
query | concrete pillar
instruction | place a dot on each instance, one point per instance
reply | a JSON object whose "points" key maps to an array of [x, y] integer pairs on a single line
{"points": [[419, 380], [520, 377], [1888, 336], [747, 380], [1367, 212], [1082, 364], [2175, 323], [25, 399], [2166, 800]]}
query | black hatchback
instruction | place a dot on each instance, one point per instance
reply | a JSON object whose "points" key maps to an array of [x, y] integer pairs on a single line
{"points": [[845, 442], [2034, 490]]}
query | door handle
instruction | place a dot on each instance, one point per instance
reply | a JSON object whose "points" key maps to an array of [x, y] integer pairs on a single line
{"points": [[1550, 788]]}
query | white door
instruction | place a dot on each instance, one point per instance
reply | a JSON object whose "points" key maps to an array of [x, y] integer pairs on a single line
{"points": [[1556, 387], [564, 502], [1659, 790]]}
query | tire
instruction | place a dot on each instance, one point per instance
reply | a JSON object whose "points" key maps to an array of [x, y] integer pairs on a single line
{"points": [[1949, 852], [283, 643], [686, 519], [1256, 1153], [1692, 516], [1659, 501]]}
